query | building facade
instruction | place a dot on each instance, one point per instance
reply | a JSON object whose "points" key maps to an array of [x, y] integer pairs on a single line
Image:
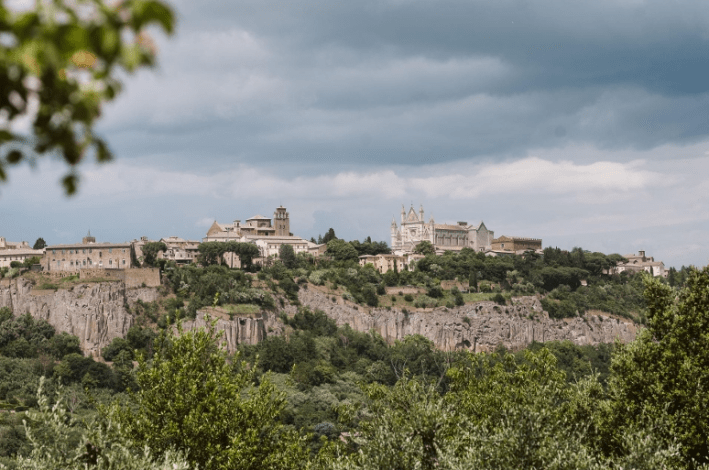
{"points": [[516, 244], [87, 255], [267, 234], [444, 237], [383, 262], [641, 263], [19, 251]]}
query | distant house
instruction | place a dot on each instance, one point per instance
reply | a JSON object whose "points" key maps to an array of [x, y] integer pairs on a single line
{"points": [[383, 262], [19, 251], [515, 244], [639, 263], [268, 234], [87, 255], [179, 250]]}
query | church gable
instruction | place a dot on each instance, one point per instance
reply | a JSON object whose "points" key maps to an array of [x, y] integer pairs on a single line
{"points": [[412, 217]]}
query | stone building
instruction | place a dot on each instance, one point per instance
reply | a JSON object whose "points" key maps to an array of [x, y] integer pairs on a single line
{"points": [[384, 262], [639, 263], [179, 250], [87, 255], [267, 234], [16, 251], [516, 244], [444, 237]]}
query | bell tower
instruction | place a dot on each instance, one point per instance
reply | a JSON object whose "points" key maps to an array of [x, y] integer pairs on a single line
{"points": [[281, 222]]}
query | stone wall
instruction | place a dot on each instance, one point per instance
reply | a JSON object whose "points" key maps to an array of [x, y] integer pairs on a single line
{"points": [[138, 277], [405, 290]]}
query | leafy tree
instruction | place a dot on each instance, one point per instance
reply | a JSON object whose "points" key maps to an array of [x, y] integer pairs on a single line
{"points": [[100, 445], [30, 261], [663, 374], [68, 57], [340, 250], [193, 400], [425, 248], [39, 244], [150, 252], [287, 256], [329, 236]]}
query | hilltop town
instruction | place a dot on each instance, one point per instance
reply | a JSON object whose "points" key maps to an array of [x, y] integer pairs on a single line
{"points": [[269, 235]]}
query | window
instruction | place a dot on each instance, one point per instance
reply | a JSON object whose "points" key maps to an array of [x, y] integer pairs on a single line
{"points": [[84, 262], [110, 250], [54, 252], [110, 262], [91, 250], [63, 252], [124, 262], [84, 251]]}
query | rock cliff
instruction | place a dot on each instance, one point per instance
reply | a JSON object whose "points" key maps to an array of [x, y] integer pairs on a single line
{"points": [[242, 330], [94, 312], [478, 327]]}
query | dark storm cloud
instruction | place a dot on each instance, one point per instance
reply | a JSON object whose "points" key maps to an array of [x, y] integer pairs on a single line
{"points": [[411, 82]]}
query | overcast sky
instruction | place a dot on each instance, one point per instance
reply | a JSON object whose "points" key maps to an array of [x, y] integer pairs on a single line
{"points": [[581, 123]]}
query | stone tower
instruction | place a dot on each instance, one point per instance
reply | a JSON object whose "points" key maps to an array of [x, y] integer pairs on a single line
{"points": [[88, 239], [281, 222]]}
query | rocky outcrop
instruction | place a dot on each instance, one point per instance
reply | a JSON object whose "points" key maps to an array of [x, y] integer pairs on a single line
{"points": [[241, 330], [479, 327], [94, 312]]}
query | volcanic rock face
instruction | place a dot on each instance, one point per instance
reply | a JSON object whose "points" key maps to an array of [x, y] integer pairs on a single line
{"points": [[478, 327], [95, 312], [241, 330]]}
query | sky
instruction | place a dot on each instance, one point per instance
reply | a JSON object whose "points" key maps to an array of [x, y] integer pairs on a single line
{"points": [[580, 123]]}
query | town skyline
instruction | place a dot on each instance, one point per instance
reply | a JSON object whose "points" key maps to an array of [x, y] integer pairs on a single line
{"points": [[581, 124]]}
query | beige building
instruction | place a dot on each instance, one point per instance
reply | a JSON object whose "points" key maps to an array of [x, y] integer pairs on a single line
{"points": [[384, 263], [179, 250], [639, 263], [516, 244], [19, 251], [87, 255], [267, 234], [444, 237]]}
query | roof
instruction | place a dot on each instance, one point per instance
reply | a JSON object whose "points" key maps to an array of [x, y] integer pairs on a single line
{"points": [[258, 217], [451, 227], [174, 240], [89, 245], [21, 251]]}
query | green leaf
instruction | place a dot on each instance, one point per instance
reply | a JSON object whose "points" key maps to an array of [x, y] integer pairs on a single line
{"points": [[70, 182], [103, 154], [149, 12], [14, 157]]}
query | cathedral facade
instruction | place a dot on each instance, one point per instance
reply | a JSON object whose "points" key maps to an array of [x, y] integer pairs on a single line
{"points": [[444, 237]]}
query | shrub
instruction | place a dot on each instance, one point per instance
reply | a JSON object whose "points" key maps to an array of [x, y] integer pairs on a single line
{"points": [[499, 299], [435, 291], [409, 298], [424, 301]]}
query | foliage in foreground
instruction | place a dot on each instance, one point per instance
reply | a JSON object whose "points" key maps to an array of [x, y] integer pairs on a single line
{"points": [[193, 400], [99, 445]]}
